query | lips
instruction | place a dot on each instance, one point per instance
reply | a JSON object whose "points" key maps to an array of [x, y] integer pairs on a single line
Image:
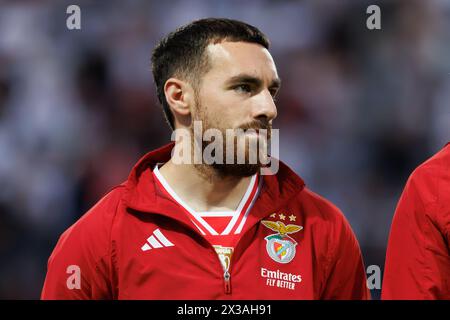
{"points": [[254, 129]]}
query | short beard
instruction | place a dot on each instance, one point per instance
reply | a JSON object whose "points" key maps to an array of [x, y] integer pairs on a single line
{"points": [[227, 170]]}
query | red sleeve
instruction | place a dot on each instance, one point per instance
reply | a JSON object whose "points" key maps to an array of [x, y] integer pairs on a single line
{"points": [[417, 259], [80, 264], [346, 275]]}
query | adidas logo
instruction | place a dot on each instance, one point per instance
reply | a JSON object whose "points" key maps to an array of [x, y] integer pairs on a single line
{"points": [[156, 240]]}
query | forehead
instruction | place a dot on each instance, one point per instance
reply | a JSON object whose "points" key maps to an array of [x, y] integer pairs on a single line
{"points": [[231, 58]]}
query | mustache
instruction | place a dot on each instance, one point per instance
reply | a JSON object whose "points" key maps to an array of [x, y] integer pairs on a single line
{"points": [[257, 125]]}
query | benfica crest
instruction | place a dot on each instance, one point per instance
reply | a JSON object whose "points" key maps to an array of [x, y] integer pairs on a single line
{"points": [[280, 246]]}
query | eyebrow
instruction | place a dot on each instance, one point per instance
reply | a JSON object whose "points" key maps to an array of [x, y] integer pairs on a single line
{"points": [[246, 78]]}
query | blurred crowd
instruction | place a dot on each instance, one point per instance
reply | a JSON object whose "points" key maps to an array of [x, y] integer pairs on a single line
{"points": [[358, 110]]}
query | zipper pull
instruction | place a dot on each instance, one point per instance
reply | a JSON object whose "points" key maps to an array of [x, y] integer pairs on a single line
{"points": [[227, 281]]}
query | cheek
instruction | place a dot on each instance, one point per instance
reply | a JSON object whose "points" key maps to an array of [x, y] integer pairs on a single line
{"points": [[215, 98], [218, 111]]}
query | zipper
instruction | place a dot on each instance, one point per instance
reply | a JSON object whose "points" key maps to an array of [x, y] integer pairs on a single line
{"points": [[227, 273], [227, 282]]}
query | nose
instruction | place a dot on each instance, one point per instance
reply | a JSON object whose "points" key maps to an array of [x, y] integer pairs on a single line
{"points": [[264, 106]]}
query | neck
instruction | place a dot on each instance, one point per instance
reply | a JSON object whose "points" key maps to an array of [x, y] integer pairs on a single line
{"points": [[203, 189]]}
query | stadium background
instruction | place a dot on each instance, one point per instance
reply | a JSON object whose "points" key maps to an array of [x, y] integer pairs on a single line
{"points": [[358, 109]]}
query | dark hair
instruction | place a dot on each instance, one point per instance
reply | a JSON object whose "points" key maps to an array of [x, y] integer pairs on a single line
{"points": [[182, 52]]}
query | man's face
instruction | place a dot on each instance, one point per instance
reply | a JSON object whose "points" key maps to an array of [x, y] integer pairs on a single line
{"points": [[237, 93]]}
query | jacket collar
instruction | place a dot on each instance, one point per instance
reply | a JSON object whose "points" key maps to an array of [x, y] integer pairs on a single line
{"points": [[142, 195]]}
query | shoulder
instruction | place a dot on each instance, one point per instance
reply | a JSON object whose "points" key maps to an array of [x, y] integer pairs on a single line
{"points": [[82, 255], [332, 235], [425, 200], [434, 167], [318, 207], [430, 181], [92, 231], [327, 224], [301, 198]]}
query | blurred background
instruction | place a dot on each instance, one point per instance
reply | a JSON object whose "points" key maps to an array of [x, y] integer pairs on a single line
{"points": [[358, 111]]}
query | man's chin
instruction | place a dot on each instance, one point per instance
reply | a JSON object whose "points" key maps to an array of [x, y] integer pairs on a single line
{"points": [[236, 170]]}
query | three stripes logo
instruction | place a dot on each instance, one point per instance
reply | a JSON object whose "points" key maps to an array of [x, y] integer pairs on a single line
{"points": [[156, 240]]}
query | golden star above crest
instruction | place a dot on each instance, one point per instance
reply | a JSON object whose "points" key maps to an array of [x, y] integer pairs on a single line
{"points": [[273, 215], [282, 216], [292, 217]]}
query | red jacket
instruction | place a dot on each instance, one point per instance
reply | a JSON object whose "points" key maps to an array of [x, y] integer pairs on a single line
{"points": [[108, 246], [418, 259]]}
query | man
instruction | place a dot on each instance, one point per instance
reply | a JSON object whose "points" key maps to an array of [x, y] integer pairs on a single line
{"points": [[210, 231], [418, 255]]}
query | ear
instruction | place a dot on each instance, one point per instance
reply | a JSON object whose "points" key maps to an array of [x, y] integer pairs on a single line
{"points": [[179, 96]]}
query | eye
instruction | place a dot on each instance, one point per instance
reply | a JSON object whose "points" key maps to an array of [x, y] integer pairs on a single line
{"points": [[243, 88], [274, 93]]}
